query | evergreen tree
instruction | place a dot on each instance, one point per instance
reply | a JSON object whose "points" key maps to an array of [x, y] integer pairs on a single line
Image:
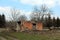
{"points": [[57, 22], [45, 22], [49, 22], [2, 21], [54, 22]]}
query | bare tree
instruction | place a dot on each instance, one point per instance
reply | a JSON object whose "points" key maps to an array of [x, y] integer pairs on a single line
{"points": [[23, 18], [39, 13], [35, 15], [15, 14], [14, 17]]}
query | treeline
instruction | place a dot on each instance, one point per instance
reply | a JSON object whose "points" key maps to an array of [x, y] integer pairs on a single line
{"points": [[52, 22], [2, 21], [43, 14]]}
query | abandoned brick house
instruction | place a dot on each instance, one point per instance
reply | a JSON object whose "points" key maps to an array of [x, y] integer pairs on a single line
{"points": [[29, 25], [23, 26]]}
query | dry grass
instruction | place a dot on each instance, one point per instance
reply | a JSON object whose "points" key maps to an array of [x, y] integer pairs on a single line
{"points": [[34, 35], [37, 35]]}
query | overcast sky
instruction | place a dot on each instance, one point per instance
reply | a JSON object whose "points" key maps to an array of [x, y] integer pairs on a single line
{"points": [[28, 5]]}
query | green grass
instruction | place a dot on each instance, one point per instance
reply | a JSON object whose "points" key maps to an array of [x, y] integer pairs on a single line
{"points": [[27, 36], [31, 36], [0, 38], [5, 36]]}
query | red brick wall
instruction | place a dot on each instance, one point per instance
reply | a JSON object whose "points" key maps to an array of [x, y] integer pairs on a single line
{"points": [[39, 26], [28, 25]]}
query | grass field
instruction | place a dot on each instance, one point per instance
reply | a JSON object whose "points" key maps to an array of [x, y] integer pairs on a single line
{"points": [[26, 36], [34, 36]]}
